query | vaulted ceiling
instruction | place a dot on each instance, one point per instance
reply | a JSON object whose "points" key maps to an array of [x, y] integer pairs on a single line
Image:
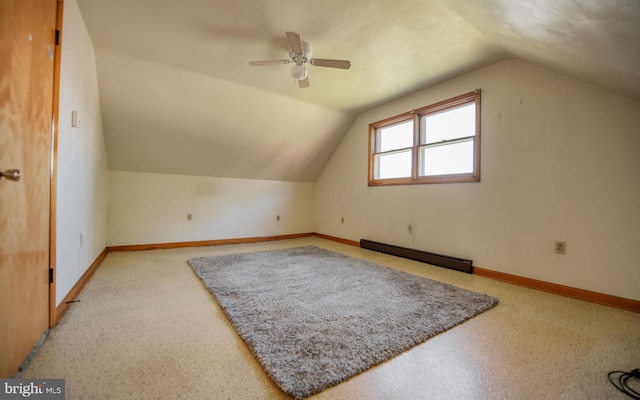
{"points": [[178, 94]]}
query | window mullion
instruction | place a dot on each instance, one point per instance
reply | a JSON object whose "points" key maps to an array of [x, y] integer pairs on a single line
{"points": [[416, 145]]}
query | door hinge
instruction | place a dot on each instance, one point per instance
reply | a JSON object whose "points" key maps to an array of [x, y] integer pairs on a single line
{"points": [[50, 275], [57, 37]]}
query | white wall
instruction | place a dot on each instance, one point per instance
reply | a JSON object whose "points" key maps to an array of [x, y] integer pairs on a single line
{"points": [[82, 169], [559, 162], [152, 208]]}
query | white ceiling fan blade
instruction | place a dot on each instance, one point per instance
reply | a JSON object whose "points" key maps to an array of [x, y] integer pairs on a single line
{"points": [[269, 62], [303, 83], [295, 42], [323, 62]]}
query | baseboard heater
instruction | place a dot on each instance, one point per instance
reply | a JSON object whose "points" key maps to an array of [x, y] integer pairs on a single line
{"points": [[459, 264]]}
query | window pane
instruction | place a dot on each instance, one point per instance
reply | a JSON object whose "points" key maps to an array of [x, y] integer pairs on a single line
{"points": [[455, 158], [394, 165], [448, 124], [395, 137]]}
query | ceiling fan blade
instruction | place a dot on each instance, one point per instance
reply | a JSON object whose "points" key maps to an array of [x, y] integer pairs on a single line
{"points": [[269, 62], [323, 62], [303, 83], [295, 42]]}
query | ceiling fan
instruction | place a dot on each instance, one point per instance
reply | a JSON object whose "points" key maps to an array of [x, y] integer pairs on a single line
{"points": [[300, 53]]}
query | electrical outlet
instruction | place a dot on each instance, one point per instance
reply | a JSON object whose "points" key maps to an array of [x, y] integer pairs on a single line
{"points": [[189, 217], [410, 228], [342, 220], [561, 247], [277, 218]]}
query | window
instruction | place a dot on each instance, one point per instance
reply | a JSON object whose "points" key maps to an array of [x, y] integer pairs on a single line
{"points": [[439, 143]]}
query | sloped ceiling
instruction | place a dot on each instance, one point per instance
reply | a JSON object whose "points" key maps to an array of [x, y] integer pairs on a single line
{"points": [[178, 94]]}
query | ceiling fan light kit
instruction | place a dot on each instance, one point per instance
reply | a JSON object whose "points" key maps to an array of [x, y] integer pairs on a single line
{"points": [[300, 53], [299, 72]]}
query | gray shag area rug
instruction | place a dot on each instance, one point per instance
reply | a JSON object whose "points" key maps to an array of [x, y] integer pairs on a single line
{"points": [[314, 318]]}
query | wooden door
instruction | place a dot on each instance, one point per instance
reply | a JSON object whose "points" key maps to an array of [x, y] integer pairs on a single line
{"points": [[27, 35]]}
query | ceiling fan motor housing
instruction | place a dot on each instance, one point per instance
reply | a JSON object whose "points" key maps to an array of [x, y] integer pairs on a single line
{"points": [[304, 57]]}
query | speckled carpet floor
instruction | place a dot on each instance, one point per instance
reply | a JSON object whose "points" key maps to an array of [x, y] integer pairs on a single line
{"points": [[315, 318], [147, 329]]}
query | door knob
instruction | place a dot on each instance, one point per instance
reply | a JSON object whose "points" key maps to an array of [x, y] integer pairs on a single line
{"points": [[11, 174]]}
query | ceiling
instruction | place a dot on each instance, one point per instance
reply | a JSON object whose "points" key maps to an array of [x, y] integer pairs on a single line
{"points": [[178, 94]]}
